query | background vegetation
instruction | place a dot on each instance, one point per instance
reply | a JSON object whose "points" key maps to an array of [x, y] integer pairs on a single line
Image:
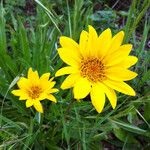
{"points": [[29, 35]]}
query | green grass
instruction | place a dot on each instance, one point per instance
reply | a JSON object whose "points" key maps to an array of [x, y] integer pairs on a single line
{"points": [[70, 124]]}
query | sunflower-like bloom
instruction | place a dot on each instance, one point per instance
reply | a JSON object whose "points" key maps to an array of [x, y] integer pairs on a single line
{"points": [[34, 89], [97, 65]]}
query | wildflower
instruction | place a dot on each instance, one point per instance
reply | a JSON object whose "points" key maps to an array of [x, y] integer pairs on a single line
{"points": [[34, 89], [97, 65]]}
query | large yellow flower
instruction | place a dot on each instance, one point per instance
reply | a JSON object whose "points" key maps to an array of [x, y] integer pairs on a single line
{"points": [[97, 65], [34, 89]]}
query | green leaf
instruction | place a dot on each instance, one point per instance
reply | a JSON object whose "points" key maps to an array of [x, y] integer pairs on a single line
{"points": [[131, 128], [122, 135], [147, 111], [24, 43], [10, 122]]}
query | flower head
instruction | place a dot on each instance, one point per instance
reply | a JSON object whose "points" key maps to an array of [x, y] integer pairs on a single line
{"points": [[34, 89], [97, 65]]}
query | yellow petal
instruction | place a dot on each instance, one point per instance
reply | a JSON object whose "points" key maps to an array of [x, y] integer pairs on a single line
{"points": [[110, 93], [92, 41], [29, 103], [69, 56], [52, 98], [38, 106], [46, 85], [54, 90], [42, 96], [81, 88], [33, 75], [128, 62], [119, 55], [52, 84], [97, 97], [125, 49], [67, 42], [66, 70], [69, 50], [23, 83], [23, 95], [116, 42], [17, 92], [51, 79], [120, 74], [104, 41], [120, 86], [84, 36], [45, 76], [70, 81]]}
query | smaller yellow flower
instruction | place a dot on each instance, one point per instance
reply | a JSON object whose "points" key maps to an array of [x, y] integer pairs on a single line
{"points": [[34, 89]]}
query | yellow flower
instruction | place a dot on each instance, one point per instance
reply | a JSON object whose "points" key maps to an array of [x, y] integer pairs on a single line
{"points": [[97, 65], [34, 89]]}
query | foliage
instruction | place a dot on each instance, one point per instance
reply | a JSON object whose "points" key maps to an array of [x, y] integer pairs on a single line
{"points": [[70, 124]]}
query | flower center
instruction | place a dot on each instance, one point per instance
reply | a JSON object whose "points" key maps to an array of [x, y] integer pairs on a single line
{"points": [[93, 69], [35, 92]]}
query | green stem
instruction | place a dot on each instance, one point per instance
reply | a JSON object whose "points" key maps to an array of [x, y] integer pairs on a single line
{"points": [[65, 116]]}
